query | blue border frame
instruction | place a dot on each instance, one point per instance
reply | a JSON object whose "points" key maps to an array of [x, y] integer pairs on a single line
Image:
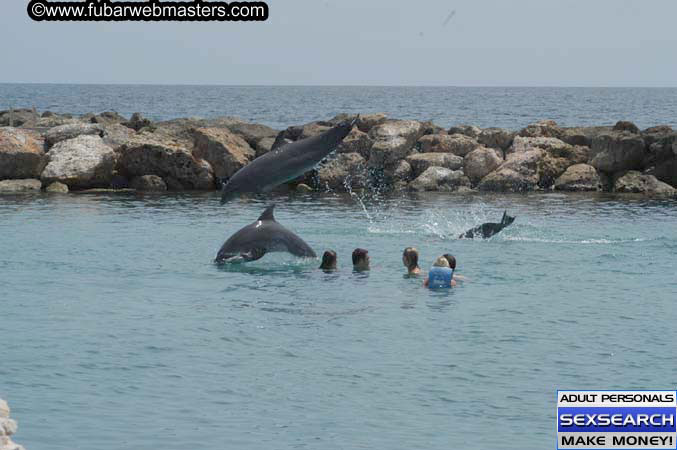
{"points": [[605, 390]]}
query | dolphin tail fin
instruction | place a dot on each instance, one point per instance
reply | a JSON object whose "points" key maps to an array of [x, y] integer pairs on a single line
{"points": [[507, 220], [268, 213]]}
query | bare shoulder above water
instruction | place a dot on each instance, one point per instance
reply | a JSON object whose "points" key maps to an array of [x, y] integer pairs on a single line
{"points": [[60, 153]]}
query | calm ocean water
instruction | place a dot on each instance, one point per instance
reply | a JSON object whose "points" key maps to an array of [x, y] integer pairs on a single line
{"points": [[118, 332], [283, 106]]}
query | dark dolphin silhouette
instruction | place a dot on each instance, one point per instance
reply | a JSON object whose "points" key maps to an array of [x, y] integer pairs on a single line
{"points": [[261, 237], [285, 162], [486, 230]]}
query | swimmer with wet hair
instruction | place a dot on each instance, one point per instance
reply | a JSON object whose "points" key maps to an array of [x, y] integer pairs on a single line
{"points": [[360, 259], [451, 260], [328, 260], [410, 261], [440, 275], [452, 265]]}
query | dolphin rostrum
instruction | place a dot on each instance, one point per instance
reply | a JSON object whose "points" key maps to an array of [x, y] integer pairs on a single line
{"points": [[261, 237], [284, 163], [486, 230]]}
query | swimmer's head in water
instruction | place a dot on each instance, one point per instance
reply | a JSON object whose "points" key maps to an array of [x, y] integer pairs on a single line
{"points": [[360, 259], [451, 260], [328, 260], [441, 262], [410, 258]]}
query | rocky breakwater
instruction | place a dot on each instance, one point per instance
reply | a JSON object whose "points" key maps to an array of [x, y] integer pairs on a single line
{"points": [[8, 428], [61, 153]]}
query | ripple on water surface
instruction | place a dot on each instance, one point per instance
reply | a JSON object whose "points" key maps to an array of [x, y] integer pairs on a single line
{"points": [[115, 318]]}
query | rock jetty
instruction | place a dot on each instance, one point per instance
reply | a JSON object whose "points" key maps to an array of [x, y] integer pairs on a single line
{"points": [[8, 428], [61, 153]]}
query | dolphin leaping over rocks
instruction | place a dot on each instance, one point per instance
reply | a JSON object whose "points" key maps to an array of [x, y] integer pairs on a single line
{"points": [[285, 162], [261, 237], [486, 230]]}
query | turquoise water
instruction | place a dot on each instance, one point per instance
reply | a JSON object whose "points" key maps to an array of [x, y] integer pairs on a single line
{"points": [[118, 332]]}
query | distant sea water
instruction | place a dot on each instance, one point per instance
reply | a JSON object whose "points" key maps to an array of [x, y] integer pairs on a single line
{"points": [[282, 106]]}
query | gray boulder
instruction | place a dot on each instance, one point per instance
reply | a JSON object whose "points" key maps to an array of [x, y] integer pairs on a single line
{"points": [[8, 427], [624, 125], [549, 144], [557, 157], [70, 131], [640, 183], [21, 154], [17, 117], [149, 183], [137, 122], [661, 160], [400, 175], [108, 118], [544, 128], [496, 138], [457, 144], [579, 177], [82, 162], [550, 168], [19, 186], [575, 154], [115, 135], [312, 129], [582, 135], [440, 179], [150, 154], [617, 151], [264, 146], [466, 130], [655, 134], [393, 141], [181, 131], [368, 121], [356, 142], [347, 170], [658, 129], [420, 162], [253, 133], [55, 121], [225, 151], [519, 173], [57, 188], [298, 132], [429, 127], [481, 162]]}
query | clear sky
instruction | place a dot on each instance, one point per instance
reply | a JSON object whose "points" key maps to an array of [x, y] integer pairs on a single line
{"points": [[361, 42]]}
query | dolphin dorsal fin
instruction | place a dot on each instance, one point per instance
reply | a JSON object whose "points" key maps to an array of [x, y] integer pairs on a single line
{"points": [[268, 213]]}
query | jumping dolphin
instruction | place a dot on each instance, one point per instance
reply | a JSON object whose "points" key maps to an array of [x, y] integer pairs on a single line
{"points": [[261, 237], [486, 230], [284, 163]]}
